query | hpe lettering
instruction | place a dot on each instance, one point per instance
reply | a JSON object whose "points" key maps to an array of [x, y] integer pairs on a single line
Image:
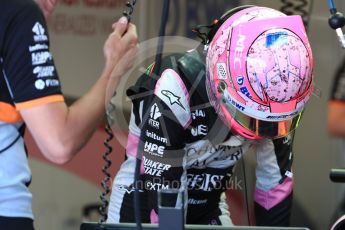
{"points": [[40, 57], [154, 149]]}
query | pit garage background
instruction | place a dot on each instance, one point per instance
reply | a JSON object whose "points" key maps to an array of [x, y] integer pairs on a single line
{"points": [[64, 195]]}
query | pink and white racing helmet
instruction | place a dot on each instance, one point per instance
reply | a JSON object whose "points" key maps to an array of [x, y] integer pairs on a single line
{"points": [[259, 72]]}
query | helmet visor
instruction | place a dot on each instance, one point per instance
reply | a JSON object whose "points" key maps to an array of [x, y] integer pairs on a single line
{"points": [[261, 128]]}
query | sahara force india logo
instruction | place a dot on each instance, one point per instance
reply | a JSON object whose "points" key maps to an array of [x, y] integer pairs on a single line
{"points": [[39, 32], [154, 115]]}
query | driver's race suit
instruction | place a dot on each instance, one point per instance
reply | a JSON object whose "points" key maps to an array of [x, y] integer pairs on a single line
{"points": [[185, 145]]}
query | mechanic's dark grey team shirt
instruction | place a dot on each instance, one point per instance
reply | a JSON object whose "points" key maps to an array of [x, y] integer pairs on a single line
{"points": [[28, 78]]}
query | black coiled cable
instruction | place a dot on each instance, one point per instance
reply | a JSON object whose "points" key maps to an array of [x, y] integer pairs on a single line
{"points": [[130, 8], [158, 60], [106, 182], [299, 7], [111, 107]]}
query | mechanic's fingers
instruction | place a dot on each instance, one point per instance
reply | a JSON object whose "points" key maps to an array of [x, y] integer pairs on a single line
{"points": [[120, 26], [130, 38]]}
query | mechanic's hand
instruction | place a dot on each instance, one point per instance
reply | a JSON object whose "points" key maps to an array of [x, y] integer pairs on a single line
{"points": [[121, 48]]}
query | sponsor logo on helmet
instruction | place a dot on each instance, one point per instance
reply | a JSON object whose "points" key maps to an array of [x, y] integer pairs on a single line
{"points": [[282, 116], [221, 68], [239, 51], [228, 100], [243, 89]]}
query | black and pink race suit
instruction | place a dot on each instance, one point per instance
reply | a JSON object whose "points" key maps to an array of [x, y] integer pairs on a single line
{"points": [[185, 145]]}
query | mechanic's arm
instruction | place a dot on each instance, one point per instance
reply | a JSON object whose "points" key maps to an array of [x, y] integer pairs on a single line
{"points": [[274, 182], [61, 131]]}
